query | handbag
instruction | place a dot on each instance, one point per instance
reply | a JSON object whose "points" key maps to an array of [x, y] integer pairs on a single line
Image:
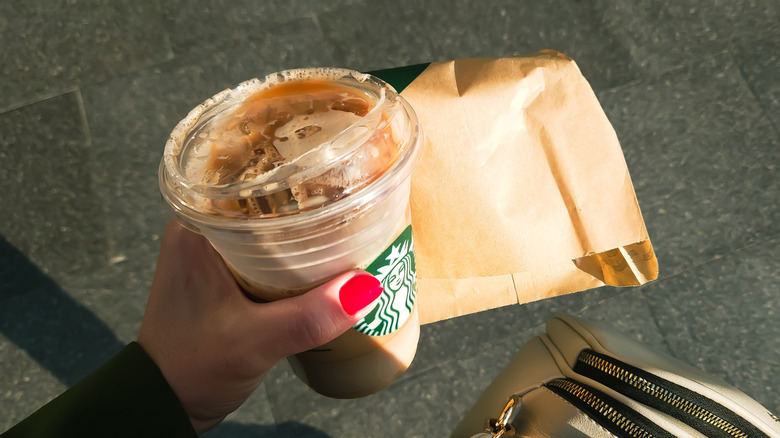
{"points": [[580, 379]]}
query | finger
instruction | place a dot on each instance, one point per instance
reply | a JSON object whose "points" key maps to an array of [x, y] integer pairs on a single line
{"points": [[185, 224], [320, 315], [181, 241], [180, 233], [189, 264]]}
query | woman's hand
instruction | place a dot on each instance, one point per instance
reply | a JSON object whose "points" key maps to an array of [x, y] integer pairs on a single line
{"points": [[214, 345]]}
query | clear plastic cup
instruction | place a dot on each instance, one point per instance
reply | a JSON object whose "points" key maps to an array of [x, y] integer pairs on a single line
{"points": [[297, 178]]}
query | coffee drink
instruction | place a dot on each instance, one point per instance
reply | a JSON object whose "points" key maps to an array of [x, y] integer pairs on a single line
{"points": [[297, 178]]}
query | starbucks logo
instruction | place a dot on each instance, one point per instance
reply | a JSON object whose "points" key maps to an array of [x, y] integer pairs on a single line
{"points": [[395, 269]]}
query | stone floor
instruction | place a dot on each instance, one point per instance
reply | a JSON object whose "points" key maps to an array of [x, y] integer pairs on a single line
{"points": [[89, 91]]}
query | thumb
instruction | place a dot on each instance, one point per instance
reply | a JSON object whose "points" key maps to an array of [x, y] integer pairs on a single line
{"points": [[322, 314]]}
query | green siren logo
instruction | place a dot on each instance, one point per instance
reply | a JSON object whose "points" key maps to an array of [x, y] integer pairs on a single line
{"points": [[395, 269]]}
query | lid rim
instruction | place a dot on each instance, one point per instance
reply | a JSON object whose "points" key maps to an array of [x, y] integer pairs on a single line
{"points": [[221, 102], [382, 185]]}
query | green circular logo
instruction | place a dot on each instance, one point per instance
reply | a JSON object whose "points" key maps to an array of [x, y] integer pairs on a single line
{"points": [[395, 269]]}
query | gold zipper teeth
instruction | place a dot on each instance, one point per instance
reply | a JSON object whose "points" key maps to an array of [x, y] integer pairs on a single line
{"points": [[602, 407], [661, 393]]}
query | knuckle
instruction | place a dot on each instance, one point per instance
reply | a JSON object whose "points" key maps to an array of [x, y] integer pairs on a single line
{"points": [[307, 331]]}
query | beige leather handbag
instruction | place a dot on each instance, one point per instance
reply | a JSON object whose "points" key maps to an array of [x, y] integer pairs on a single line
{"points": [[584, 380]]}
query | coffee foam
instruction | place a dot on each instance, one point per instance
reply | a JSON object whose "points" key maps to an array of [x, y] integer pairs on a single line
{"points": [[308, 193], [337, 122], [307, 131], [230, 97]]}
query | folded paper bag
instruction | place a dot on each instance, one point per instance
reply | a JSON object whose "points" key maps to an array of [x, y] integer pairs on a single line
{"points": [[522, 192]]}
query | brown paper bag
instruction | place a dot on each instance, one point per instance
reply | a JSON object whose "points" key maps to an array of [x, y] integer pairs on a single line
{"points": [[522, 192]]}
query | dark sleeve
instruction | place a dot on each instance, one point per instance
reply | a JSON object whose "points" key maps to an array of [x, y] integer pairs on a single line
{"points": [[127, 396]]}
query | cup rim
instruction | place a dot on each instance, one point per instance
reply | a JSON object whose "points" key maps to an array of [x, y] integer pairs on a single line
{"points": [[375, 190]]}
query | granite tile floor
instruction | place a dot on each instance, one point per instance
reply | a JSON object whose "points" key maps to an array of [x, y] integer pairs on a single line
{"points": [[89, 91]]}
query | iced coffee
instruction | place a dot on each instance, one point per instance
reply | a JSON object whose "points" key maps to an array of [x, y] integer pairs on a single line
{"points": [[299, 177]]}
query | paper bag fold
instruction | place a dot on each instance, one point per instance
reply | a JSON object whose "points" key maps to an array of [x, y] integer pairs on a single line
{"points": [[522, 192]]}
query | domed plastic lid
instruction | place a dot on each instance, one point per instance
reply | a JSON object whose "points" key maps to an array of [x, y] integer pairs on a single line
{"points": [[294, 141]]}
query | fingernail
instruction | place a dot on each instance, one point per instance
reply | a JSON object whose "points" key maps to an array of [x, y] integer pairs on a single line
{"points": [[358, 292]]}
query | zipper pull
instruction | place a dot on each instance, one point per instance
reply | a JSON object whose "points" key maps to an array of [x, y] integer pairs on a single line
{"points": [[499, 426]]}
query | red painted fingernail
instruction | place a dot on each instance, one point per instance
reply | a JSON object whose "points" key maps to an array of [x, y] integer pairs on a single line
{"points": [[358, 292]]}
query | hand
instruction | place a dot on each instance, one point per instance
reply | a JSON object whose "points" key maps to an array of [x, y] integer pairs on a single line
{"points": [[214, 345]]}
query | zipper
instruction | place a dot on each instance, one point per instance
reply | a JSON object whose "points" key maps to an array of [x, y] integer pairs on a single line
{"points": [[609, 413], [691, 408]]}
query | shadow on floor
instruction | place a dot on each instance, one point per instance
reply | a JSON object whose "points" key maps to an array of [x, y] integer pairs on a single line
{"points": [[38, 316], [230, 429]]}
